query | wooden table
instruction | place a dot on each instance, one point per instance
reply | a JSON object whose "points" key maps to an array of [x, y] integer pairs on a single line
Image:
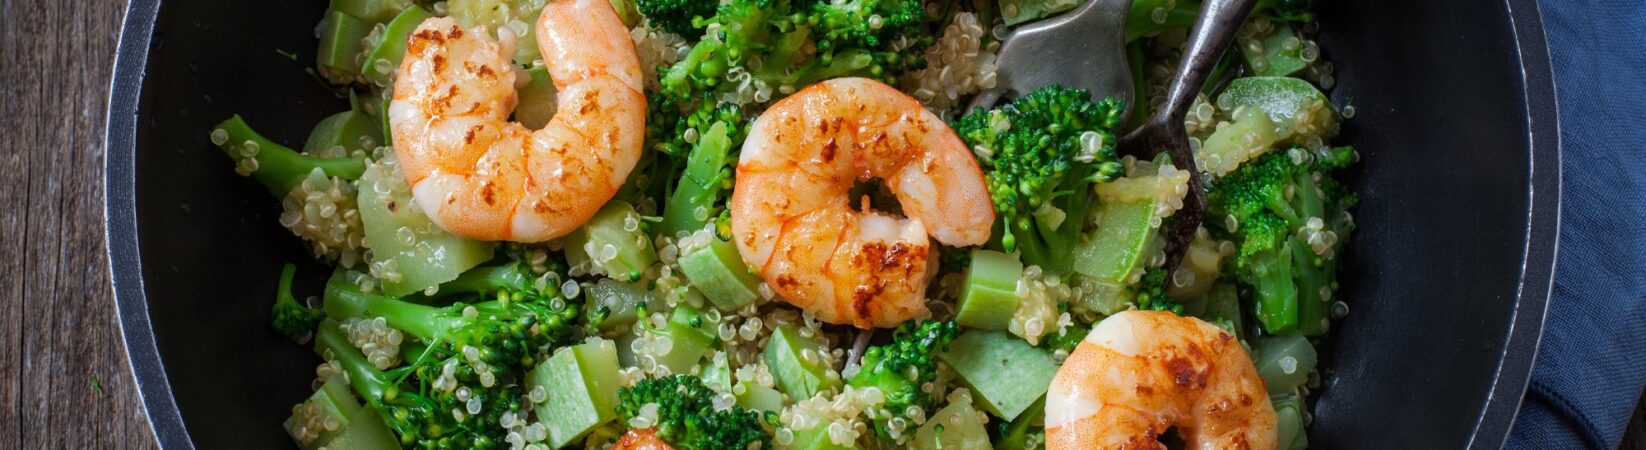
{"points": [[68, 381]]}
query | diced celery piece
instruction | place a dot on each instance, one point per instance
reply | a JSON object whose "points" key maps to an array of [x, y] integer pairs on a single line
{"points": [[371, 11], [717, 270], [956, 427], [989, 296], [623, 252], [366, 432], [331, 403], [422, 254], [1284, 362], [690, 338], [1019, 11], [537, 100], [619, 300], [350, 130], [1121, 240], [384, 58], [519, 16], [581, 382], [797, 364], [757, 397], [340, 36], [1004, 372], [1286, 100]]}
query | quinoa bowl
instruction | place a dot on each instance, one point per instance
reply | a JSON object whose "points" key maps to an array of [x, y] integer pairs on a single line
{"points": [[1451, 260]]}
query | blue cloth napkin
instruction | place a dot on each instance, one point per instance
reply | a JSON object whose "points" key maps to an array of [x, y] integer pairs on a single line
{"points": [[1592, 363]]}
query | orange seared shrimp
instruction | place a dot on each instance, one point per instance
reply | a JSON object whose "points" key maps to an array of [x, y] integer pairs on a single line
{"points": [[1139, 373], [475, 173], [794, 220]]}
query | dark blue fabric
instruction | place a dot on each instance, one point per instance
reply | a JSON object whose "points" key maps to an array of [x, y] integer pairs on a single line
{"points": [[1592, 363]]}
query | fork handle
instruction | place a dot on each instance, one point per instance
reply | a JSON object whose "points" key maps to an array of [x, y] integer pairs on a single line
{"points": [[1213, 31]]}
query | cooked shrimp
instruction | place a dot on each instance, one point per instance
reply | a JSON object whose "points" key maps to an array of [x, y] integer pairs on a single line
{"points": [[1139, 373], [478, 175], [795, 223], [645, 439]]}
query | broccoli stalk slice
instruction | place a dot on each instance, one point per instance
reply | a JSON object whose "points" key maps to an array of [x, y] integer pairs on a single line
{"points": [[291, 318], [900, 368], [693, 203], [279, 168]]}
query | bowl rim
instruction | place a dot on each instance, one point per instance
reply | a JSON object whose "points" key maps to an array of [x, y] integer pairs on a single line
{"points": [[1491, 430]]}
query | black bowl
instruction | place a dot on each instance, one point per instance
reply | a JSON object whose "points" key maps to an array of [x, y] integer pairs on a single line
{"points": [[1448, 275]]}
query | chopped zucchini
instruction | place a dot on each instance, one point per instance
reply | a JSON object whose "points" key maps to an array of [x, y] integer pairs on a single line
{"points": [[690, 338], [797, 364], [1284, 362], [409, 252], [717, 270], [757, 397], [1279, 53], [1120, 243], [332, 418], [1004, 372], [616, 300], [581, 382], [988, 298], [611, 244], [346, 131]]}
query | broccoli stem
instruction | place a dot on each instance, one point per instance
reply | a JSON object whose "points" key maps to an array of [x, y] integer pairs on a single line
{"points": [[1311, 309], [344, 301], [700, 187], [488, 280], [279, 168], [1015, 435], [374, 385], [1276, 293]]}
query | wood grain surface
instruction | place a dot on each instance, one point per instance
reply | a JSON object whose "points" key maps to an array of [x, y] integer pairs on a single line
{"points": [[66, 382]]}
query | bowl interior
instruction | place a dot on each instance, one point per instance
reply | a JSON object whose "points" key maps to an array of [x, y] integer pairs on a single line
{"points": [[1434, 273]]}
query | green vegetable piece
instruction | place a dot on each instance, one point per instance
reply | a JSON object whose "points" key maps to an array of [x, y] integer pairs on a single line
{"points": [[757, 397], [618, 301], [348, 130], [1287, 100], [332, 402], [277, 167], [519, 16], [1020, 11], [537, 100], [691, 338], [1280, 54], [797, 364], [1109, 297], [1289, 426], [628, 12], [1005, 372], [989, 296], [366, 432], [340, 36], [1223, 308], [581, 382], [954, 427], [718, 271], [614, 235], [1027, 431], [384, 57], [1250, 134], [1284, 362], [422, 254], [691, 206], [371, 11], [815, 438], [1118, 247]]}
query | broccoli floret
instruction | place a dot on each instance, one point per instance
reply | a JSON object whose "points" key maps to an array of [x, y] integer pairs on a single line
{"points": [[1289, 219], [899, 369], [1041, 155], [792, 43], [677, 16], [474, 356], [1151, 292], [291, 318], [686, 416]]}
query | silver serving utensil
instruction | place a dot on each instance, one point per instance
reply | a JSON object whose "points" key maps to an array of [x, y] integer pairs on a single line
{"points": [[1084, 48], [1213, 31]]}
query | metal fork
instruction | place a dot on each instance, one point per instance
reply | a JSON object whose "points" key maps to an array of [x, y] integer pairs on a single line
{"points": [[1086, 48]]}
